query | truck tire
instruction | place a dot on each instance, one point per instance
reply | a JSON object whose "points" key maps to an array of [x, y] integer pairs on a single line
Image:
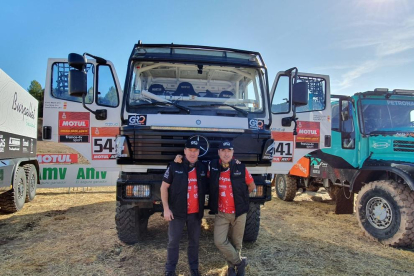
{"points": [[13, 200], [31, 176], [286, 187], [385, 211], [251, 230], [130, 224]]}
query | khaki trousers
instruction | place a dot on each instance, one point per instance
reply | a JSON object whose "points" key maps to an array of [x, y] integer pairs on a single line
{"points": [[228, 236]]}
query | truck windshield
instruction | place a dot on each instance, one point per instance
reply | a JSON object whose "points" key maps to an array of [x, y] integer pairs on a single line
{"points": [[203, 89], [387, 115]]}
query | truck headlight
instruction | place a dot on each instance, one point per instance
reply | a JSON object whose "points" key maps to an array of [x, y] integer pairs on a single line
{"points": [[140, 191], [258, 192], [122, 148]]}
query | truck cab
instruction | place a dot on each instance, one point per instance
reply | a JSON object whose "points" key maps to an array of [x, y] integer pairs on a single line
{"points": [[371, 154]]}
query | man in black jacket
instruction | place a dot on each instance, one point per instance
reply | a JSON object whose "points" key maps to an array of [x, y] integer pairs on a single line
{"points": [[183, 196], [230, 185]]}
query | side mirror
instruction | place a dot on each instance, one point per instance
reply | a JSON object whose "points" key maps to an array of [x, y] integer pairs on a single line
{"points": [[300, 94], [345, 116], [77, 77], [77, 83], [77, 61]]}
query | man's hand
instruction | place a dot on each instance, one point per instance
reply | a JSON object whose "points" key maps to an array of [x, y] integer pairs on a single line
{"points": [[252, 187], [178, 158], [168, 215]]}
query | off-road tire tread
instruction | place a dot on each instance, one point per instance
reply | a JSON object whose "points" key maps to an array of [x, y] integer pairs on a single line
{"points": [[127, 223], [291, 188], [251, 231], [29, 169], [8, 201], [404, 197]]}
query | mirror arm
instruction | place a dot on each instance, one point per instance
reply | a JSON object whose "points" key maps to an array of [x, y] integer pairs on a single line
{"points": [[294, 119], [99, 60], [84, 105]]}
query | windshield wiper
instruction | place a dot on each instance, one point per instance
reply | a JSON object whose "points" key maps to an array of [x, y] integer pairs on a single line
{"points": [[167, 103], [244, 112]]}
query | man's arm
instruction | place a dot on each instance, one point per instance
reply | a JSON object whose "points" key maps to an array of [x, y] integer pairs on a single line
{"points": [[168, 215], [251, 186], [249, 181]]}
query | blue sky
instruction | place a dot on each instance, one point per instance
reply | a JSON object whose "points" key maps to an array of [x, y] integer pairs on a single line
{"points": [[361, 44]]}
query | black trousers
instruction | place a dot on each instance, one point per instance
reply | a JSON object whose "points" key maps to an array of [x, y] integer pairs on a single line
{"points": [[175, 232]]}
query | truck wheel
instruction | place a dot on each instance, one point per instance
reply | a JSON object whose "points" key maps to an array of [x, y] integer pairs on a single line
{"points": [[286, 187], [251, 231], [31, 176], [130, 224], [385, 212], [13, 200], [333, 191]]}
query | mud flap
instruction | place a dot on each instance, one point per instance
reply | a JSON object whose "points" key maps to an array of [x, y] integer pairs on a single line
{"points": [[344, 202]]}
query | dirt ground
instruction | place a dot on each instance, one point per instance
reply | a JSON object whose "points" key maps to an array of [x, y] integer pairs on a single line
{"points": [[62, 233]]}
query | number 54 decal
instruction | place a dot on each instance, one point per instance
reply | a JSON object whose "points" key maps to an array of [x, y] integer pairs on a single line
{"points": [[103, 143], [283, 146]]}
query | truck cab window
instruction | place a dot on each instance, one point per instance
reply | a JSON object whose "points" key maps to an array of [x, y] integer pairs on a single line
{"points": [[107, 94], [204, 89], [60, 87], [347, 126], [335, 116], [316, 94], [280, 102]]}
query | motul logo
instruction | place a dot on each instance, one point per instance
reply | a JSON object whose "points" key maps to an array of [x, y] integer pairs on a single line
{"points": [[308, 131], [57, 158], [74, 123]]}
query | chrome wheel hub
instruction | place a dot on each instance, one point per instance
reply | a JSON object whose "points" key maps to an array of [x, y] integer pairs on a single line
{"points": [[281, 185], [379, 212]]}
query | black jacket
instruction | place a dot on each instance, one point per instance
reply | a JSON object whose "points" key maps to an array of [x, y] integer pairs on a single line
{"points": [[177, 192], [240, 189]]}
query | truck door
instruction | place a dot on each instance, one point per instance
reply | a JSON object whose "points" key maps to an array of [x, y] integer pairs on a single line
{"points": [[77, 148], [313, 125]]}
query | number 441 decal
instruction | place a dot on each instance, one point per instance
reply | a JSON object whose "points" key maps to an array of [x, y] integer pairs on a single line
{"points": [[282, 150]]}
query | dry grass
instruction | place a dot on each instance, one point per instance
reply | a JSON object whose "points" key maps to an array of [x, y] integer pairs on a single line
{"points": [[45, 147], [74, 234]]}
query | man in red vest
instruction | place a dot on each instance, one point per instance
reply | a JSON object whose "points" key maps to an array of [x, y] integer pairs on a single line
{"points": [[183, 196]]}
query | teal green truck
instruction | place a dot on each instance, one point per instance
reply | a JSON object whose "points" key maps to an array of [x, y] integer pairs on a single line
{"points": [[372, 155]]}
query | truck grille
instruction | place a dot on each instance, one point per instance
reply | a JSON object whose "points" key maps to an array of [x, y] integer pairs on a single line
{"points": [[160, 147], [401, 145]]}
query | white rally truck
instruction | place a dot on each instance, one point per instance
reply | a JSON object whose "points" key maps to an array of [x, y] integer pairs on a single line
{"points": [[171, 93], [18, 137]]}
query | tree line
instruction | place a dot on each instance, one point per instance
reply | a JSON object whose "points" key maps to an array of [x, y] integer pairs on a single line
{"points": [[35, 89]]}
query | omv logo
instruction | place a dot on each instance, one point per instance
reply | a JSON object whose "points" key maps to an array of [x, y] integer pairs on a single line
{"points": [[380, 145]]}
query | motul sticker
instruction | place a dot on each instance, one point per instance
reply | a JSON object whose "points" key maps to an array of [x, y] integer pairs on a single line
{"points": [[57, 158], [74, 127], [308, 135]]}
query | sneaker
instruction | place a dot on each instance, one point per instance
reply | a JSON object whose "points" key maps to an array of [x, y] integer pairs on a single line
{"points": [[195, 272], [170, 273], [231, 271], [241, 267]]}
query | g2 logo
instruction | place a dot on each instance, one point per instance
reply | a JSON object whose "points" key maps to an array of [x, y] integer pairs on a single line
{"points": [[256, 124], [137, 120]]}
